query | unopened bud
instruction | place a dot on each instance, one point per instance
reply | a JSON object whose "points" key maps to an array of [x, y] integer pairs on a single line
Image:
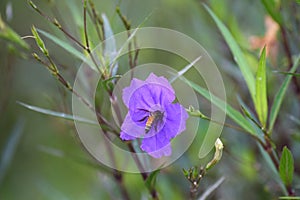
{"points": [[218, 154]]}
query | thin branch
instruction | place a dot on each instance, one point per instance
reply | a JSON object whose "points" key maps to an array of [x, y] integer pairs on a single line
{"points": [[289, 58], [59, 26]]}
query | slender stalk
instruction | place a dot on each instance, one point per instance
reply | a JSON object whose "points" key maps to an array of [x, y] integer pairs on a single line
{"points": [[116, 174], [98, 20], [132, 59], [144, 175], [137, 50], [59, 26], [54, 71], [87, 44], [55, 22], [93, 16], [119, 178], [289, 58]]}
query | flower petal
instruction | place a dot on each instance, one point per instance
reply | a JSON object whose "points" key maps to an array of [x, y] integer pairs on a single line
{"points": [[145, 94], [155, 147], [176, 120], [139, 117], [130, 130], [125, 136], [150, 96], [127, 92], [152, 78], [143, 98]]}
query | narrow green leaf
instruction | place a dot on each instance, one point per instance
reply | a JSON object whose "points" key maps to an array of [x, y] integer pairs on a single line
{"points": [[286, 166], [68, 48], [151, 180], [230, 111], [261, 102], [185, 172], [270, 6], [237, 53], [58, 114], [273, 169], [280, 95]]}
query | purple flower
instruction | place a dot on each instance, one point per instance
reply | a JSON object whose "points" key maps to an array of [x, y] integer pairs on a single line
{"points": [[152, 115]]}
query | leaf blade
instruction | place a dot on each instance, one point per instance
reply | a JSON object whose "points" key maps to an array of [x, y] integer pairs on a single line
{"points": [[261, 103], [57, 114], [286, 166], [273, 12], [151, 180], [237, 53]]}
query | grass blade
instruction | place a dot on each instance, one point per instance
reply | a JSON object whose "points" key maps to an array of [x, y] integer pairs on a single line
{"points": [[261, 103], [237, 53], [280, 95], [58, 114]]}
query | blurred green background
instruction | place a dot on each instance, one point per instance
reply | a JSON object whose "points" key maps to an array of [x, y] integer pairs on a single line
{"points": [[41, 158]]}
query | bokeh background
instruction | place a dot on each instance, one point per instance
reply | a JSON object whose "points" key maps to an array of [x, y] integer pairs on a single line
{"points": [[41, 157]]}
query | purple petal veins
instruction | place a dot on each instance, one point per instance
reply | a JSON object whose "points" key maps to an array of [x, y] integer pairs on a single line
{"points": [[143, 98]]}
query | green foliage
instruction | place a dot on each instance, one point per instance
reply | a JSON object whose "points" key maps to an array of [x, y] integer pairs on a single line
{"points": [[261, 102], [151, 180], [239, 56], [9, 34], [230, 111], [273, 10], [30, 173], [286, 166]]}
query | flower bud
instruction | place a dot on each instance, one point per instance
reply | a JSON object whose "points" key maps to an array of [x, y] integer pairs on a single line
{"points": [[218, 154]]}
